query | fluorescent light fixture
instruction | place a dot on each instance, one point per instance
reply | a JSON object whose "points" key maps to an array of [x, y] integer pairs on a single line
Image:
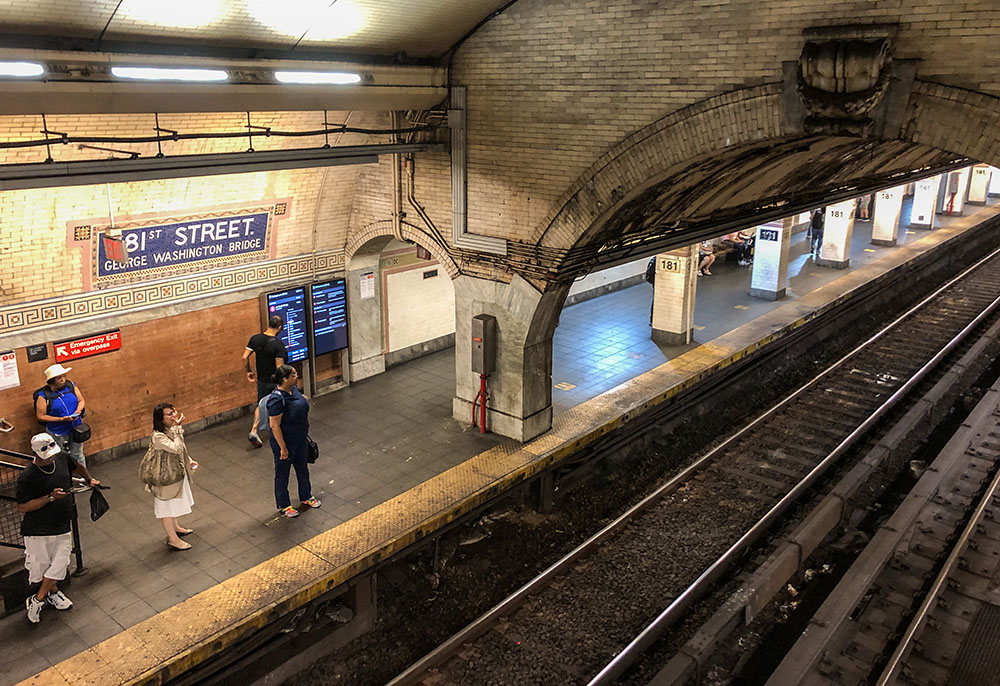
{"points": [[324, 77], [20, 69], [162, 74]]}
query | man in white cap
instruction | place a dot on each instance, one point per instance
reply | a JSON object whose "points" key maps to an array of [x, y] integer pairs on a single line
{"points": [[43, 497], [59, 404]]}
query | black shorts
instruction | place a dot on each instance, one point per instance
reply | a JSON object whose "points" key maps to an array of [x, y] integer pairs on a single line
{"points": [[264, 388]]}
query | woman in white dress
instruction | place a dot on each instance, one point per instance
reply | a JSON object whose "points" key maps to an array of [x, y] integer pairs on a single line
{"points": [[175, 500]]}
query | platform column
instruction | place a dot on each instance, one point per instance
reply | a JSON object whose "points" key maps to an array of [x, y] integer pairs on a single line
{"points": [[925, 193], [364, 293], [835, 252], [769, 279], [979, 184], [994, 190], [888, 205], [520, 390], [673, 296], [951, 195]]}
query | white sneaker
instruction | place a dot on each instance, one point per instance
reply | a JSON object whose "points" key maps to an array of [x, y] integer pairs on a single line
{"points": [[34, 607], [58, 600]]}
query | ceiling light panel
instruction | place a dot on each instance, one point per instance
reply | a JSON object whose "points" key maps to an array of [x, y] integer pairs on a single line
{"points": [[171, 74], [21, 69], [317, 77]]}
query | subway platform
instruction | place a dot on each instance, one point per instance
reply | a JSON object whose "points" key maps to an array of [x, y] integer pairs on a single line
{"points": [[394, 465]]}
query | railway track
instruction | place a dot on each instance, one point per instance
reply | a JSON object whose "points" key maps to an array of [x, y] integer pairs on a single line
{"points": [[919, 605], [588, 616]]}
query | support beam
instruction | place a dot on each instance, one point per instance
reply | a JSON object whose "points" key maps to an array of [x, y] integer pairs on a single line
{"points": [[83, 173]]}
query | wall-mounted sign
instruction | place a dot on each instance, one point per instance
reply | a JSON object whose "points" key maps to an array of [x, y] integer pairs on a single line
{"points": [[37, 353], [78, 348], [8, 370], [168, 245], [367, 285], [768, 234]]}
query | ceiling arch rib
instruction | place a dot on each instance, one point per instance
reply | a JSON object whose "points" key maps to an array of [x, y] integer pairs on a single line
{"points": [[737, 187]]}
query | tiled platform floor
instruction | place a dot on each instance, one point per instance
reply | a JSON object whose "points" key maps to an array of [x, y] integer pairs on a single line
{"points": [[379, 437], [601, 343]]}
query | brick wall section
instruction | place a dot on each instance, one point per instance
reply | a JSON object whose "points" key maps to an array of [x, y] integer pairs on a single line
{"points": [[33, 223], [157, 363], [555, 85], [29, 127]]}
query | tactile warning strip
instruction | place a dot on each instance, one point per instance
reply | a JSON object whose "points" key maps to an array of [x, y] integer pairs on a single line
{"points": [[192, 631]]}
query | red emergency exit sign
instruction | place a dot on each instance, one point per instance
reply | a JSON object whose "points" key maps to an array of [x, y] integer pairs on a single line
{"points": [[78, 348]]}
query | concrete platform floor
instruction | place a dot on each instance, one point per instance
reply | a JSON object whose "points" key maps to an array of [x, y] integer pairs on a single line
{"points": [[379, 437]]}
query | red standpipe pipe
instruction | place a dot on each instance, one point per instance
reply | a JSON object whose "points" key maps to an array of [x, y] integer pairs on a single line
{"points": [[480, 399]]}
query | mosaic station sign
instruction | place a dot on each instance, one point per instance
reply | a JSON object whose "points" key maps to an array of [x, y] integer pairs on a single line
{"points": [[157, 246], [181, 243]]}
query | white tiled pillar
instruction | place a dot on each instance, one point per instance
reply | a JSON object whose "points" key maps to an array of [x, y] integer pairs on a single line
{"points": [[835, 252], [951, 197], [979, 184], [888, 205], [925, 194], [770, 260], [673, 296], [994, 181]]}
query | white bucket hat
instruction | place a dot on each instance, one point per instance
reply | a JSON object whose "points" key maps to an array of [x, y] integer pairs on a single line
{"points": [[52, 371]]}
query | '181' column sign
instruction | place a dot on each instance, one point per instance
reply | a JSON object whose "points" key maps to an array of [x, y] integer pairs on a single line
{"points": [[167, 245]]}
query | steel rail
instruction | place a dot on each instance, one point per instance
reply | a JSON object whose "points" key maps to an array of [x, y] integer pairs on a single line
{"points": [[902, 649], [506, 606], [673, 612]]}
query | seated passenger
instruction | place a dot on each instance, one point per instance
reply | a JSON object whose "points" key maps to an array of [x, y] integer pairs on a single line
{"points": [[742, 242], [746, 251], [706, 257]]}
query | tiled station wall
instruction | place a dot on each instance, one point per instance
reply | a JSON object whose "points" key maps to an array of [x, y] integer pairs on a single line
{"points": [[191, 360], [419, 299], [181, 356], [28, 127], [34, 224]]}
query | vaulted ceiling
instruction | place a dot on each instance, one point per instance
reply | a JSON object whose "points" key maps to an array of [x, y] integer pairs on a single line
{"points": [[397, 29]]}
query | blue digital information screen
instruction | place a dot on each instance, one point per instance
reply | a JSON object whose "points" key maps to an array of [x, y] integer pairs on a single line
{"points": [[329, 311], [291, 305]]}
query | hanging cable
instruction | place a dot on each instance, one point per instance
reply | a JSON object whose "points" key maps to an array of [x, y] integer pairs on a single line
{"points": [[66, 139]]}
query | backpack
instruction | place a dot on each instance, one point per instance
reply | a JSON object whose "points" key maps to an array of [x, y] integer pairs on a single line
{"points": [[50, 396], [651, 271]]}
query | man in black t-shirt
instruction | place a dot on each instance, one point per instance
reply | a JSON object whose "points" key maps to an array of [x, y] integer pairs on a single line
{"points": [[269, 354], [43, 496]]}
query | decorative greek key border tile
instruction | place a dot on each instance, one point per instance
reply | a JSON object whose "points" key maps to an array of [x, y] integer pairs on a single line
{"points": [[29, 315]]}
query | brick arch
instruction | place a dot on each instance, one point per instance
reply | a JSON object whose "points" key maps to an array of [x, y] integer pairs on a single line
{"points": [[752, 119], [374, 237]]}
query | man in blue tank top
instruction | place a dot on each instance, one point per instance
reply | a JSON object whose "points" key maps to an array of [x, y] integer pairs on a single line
{"points": [[59, 405]]}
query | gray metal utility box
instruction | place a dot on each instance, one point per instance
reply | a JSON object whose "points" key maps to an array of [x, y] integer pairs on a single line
{"points": [[484, 343]]}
